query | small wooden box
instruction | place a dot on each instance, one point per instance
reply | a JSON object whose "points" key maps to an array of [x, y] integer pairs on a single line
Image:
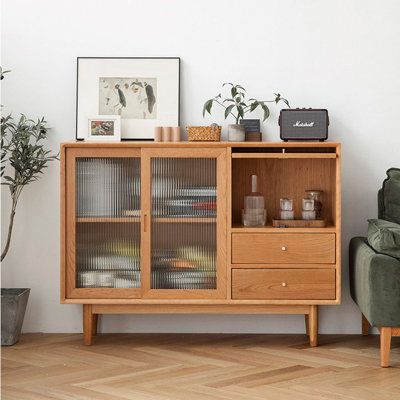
{"points": [[253, 136]]}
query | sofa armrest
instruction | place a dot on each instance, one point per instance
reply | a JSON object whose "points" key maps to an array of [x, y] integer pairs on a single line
{"points": [[375, 283]]}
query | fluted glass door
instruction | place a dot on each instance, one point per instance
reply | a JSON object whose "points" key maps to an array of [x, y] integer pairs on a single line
{"points": [[183, 229], [107, 222], [185, 218]]}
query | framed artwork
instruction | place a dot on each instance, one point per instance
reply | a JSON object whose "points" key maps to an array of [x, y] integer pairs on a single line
{"points": [[104, 128], [144, 92]]}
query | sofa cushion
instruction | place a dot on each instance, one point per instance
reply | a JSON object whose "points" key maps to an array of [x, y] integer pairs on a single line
{"points": [[389, 197], [375, 283], [384, 237]]}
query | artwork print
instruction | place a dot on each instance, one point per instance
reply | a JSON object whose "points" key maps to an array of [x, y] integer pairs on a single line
{"points": [[102, 128], [137, 93], [131, 98]]}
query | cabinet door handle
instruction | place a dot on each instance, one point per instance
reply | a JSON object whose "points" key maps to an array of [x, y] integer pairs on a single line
{"points": [[283, 248], [145, 223], [284, 284]]}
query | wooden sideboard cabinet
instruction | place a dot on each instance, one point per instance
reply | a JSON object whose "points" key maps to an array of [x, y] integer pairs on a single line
{"points": [[156, 228]]}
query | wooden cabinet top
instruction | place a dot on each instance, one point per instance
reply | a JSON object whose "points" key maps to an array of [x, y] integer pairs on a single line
{"points": [[185, 144]]}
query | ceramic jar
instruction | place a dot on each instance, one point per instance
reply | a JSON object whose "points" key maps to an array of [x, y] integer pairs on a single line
{"points": [[236, 133]]}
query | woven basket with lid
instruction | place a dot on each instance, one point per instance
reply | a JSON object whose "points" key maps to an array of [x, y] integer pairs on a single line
{"points": [[204, 133]]}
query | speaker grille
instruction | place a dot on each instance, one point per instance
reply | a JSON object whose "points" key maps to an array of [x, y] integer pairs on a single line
{"points": [[304, 124]]}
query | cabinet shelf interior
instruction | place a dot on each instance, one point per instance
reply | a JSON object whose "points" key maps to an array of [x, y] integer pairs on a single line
{"points": [[279, 178]]}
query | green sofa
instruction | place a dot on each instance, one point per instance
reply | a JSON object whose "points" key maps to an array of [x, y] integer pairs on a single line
{"points": [[375, 267]]}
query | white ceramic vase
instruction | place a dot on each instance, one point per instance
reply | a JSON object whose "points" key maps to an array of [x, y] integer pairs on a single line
{"points": [[236, 133]]}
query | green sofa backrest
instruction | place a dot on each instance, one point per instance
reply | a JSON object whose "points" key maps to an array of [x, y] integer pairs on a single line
{"points": [[389, 197]]}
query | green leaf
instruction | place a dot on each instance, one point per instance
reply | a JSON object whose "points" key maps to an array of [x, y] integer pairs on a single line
{"points": [[227, 83], [228, 110], [266, 111], [240, 111], [3, 72], [233, 92], [279, 98], [286, 102], [241, 87], [207, 106], [230, 100], [254, 105]]}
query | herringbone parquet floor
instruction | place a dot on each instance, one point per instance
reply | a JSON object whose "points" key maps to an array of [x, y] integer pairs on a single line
{"points": [[193, 367]]}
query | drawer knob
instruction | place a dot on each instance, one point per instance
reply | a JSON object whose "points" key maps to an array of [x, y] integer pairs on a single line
{"points": [[284, 284], [283, 248]]}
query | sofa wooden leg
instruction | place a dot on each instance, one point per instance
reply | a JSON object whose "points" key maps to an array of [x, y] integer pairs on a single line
{"points": [[313, 326], [365, 325], [386, 337], [87, 324]]}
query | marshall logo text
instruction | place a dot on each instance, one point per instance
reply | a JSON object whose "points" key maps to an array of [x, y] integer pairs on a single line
{"points": [[300, 124]]}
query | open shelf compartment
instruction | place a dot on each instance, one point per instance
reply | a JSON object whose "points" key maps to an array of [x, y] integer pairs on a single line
{"points": [[278, 178]]}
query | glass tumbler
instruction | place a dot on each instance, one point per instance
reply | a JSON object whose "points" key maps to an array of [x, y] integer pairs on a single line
{"points": [[316, 195]]}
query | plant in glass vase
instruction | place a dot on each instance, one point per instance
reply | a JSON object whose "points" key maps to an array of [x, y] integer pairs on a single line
{"points": [[237, 106]]}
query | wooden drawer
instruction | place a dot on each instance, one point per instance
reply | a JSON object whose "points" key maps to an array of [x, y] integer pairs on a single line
{"points": [[283, 284], [277, 248]]}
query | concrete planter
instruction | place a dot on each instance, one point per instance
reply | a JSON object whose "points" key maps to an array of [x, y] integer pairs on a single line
{"points": [[236, 133], [13, 306]]}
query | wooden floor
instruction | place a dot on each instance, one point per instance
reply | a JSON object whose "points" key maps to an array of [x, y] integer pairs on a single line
{"points": [[192, 367]]}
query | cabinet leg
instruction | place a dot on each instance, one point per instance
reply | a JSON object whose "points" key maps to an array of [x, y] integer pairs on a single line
{"points": [[87, 324], [307, 321], [386, 337], [95, 318], [313, 326], [365, 325]]}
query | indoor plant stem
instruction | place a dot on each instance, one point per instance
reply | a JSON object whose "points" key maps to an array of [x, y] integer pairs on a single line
{"points": [[11, 223]]}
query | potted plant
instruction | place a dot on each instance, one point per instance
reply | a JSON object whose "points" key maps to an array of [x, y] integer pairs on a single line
{"points": [[237, 106], [24, 155]]}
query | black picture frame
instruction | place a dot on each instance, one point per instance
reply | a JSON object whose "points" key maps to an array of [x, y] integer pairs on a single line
{"points": [[122, 58]]}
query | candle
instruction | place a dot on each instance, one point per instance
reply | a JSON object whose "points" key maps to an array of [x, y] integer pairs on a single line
{"points": [[176, 134], [166, 134], [158, 134]]}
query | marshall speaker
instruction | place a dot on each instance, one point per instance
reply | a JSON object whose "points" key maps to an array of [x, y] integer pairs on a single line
{"points": [[304, 124]]}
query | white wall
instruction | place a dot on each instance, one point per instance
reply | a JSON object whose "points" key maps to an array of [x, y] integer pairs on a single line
{"points": [[342, 55]]}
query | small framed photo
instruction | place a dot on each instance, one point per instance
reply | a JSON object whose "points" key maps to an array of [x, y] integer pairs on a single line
{"points": [[104, 128]]}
